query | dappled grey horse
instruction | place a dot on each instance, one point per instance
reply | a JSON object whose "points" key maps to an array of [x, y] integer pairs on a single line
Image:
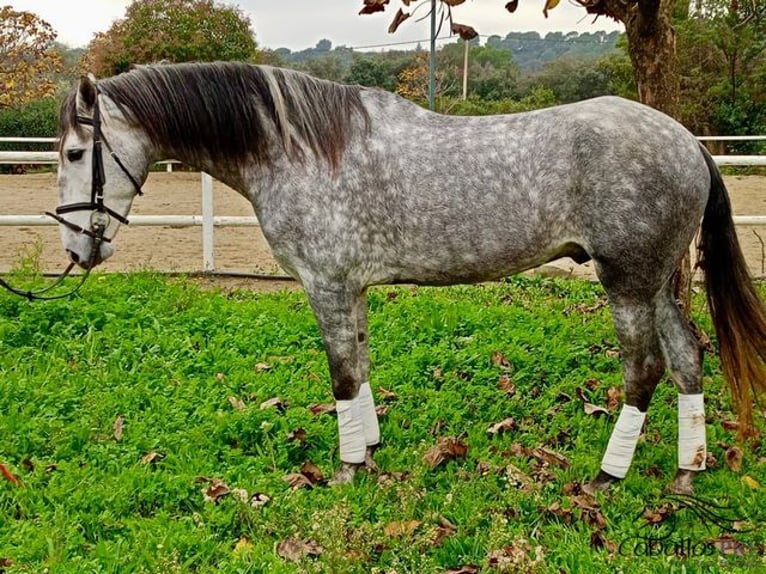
{"points": [[356, 187]]}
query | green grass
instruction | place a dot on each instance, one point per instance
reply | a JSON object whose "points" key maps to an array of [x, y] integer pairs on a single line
{"points": [[168, 356]]}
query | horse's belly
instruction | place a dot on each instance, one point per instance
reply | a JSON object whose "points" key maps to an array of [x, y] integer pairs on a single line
{"points": [[447, 262]]}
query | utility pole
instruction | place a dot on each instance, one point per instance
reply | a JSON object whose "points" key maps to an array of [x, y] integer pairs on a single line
{"points": [[432, 61], [466, 47]]}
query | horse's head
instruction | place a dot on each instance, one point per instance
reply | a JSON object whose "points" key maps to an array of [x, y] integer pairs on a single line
{"points": [[102, 165]]}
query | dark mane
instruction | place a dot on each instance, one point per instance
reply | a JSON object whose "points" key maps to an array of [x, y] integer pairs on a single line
{"points": [[230, 111]]}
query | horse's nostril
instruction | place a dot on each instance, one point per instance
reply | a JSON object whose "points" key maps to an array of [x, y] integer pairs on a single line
{"points": [[73, 256]]}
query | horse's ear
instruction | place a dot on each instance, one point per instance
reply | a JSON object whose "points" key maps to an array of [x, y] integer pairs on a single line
{"points": [[86, 94]]}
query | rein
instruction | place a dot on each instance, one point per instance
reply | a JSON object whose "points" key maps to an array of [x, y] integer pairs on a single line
{"points": [[100, 214]]}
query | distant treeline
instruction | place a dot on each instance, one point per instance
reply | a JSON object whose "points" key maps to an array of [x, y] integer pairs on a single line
{"points": [[530, 50]]}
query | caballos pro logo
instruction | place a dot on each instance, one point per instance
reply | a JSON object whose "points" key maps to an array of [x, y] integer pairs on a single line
{"points": [[665, 532]]}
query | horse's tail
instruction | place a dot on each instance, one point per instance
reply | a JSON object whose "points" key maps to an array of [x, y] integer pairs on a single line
{"points": [[738, 314]]}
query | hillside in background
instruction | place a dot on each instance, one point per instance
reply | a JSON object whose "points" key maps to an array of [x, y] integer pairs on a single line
{"points": [[529, 50]]}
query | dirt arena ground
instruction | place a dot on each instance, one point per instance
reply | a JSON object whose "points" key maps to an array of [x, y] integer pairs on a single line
{"points": [[237, 249]]}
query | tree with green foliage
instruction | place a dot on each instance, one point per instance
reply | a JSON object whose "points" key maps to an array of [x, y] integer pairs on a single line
{"points": [[174, 31], [378, 70], [572, 80], [722, 53], [492, 74]]}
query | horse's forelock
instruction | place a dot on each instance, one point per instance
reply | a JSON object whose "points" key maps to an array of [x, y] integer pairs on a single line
{"points": [[68, 118]]}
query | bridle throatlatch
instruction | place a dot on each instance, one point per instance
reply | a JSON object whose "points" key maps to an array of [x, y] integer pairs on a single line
{"points": [[100, 216]]}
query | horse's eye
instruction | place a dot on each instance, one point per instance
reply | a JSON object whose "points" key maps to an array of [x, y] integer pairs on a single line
{"points": [[74, 154]]}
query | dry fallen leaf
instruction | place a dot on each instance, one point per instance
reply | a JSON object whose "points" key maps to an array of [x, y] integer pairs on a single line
{"points": [[443, 530], [463, 30], [293, 549], [613, 398], [728, 546], [594, 410], [262, 367], [549, 457], [219, 377], [309, 476], [216, 491], [499, 360], [398, 529], [381, 410], [730, 425], [465, 569], [659, 514], [312, 472], [565, 514], [237, 404], [733, 458], [598, 541], [319, 409], [400, 17], [119, 423], [590, 408], [446, 448], [298, 435], [506, 385], [507, 424], [372, 6], [151, 457], [296, 480], [385, 394], [276, 402]]}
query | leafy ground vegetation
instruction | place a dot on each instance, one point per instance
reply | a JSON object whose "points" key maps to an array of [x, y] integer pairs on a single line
{"points": [[152, 426]]}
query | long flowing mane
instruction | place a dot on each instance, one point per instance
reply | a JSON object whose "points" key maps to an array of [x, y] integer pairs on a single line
{"points": [[230, 111]]}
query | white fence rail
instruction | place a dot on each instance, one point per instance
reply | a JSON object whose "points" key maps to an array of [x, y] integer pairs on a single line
{"points": [[209, 221]]}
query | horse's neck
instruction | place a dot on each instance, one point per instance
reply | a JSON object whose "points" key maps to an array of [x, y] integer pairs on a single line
{"points": [[231, 175]]}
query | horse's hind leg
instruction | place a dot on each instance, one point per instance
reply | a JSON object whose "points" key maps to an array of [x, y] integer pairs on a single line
{"points": [[683, 355], [341, 313], [634, 322], [366, 401]]}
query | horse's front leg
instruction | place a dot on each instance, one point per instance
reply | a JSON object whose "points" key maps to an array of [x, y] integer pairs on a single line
{"points": [[341, 313]]}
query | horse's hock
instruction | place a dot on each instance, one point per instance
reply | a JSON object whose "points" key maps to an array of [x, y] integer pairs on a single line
{"points": [[241, 249]]}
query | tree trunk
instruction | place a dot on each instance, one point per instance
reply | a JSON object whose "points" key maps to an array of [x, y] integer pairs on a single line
{"points": [[652, 49]]}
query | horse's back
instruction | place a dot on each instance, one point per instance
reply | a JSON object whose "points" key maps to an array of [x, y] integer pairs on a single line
{"points": [[485, 196]]}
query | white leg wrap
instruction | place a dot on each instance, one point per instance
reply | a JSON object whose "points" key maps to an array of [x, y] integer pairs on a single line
{"points": [[622, 444], [692, 445], [351, 431], [369, 416]]}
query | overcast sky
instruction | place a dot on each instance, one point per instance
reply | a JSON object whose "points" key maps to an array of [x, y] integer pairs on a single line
{"points": [[299, 24]]}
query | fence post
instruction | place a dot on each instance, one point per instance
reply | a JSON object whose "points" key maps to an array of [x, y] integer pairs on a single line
{"points": [[208, 261]]}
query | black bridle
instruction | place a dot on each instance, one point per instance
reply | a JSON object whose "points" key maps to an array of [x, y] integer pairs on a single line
{"points": [[100, 217]]}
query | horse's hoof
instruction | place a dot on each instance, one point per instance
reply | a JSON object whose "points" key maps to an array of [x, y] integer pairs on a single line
{"points": [[601, 483], [345, 474], [369, 462], [682, 484]]}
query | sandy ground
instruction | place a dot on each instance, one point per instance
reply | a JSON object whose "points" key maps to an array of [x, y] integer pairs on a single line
{"points": [[237, 249]]}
